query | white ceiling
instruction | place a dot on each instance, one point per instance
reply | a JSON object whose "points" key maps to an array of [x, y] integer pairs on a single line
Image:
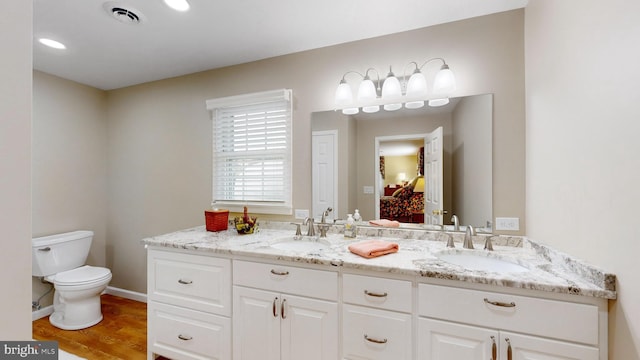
{"points": [[107, 54]]}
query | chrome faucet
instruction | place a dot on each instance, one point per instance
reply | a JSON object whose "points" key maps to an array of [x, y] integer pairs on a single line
{"points": [[325, 214], [468, 241], [456, 223], [310, 230]]}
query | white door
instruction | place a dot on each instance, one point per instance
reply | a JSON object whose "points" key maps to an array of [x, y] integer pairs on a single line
{"points": [[256, 324], [324, 171], [524, 347], [309, 329], [433, 177], [442, 340]]}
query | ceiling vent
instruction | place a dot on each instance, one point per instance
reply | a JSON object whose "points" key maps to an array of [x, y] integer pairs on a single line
{"points": [[123, 13]]}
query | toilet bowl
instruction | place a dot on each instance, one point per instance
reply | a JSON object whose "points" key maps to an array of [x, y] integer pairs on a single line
{"points": [[76, 301], [59, 259]]}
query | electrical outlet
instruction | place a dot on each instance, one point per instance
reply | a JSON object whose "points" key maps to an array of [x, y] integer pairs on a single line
{"points": [[510, 224], [302, 213], [367, 189]]}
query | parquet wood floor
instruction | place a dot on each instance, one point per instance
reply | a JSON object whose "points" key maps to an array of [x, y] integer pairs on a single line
{"points": [[121, 335]]}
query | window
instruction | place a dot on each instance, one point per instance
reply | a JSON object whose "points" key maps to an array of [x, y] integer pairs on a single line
{"points": [[252, 152]]}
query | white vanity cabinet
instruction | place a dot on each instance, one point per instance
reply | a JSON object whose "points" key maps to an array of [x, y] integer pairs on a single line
{"points": [[284, 312], [189, 306], [377, 321], [459, 323]]}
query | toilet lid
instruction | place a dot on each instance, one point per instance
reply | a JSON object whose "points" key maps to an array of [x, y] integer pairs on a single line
{"points": [[82, 274]]}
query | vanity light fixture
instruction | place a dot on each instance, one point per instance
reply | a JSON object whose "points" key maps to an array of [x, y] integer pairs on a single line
{"points": [[391, 95]]}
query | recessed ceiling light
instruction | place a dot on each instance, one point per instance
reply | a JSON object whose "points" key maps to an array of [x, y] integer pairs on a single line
{"points": [[52, 43], [180, 5]]}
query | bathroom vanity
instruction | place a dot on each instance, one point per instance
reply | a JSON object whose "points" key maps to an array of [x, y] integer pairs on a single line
{"points": [[265, 296]]}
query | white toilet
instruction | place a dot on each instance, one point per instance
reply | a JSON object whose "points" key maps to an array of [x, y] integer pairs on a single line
{"points": [[60, 259]]}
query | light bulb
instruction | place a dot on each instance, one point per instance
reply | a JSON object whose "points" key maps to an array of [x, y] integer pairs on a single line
{"points": [[344, 96], [391, 92], [445, 82]]}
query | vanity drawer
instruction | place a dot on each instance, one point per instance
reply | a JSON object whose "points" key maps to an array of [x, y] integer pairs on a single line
{"points": [[194, 281], [288, 279], [182, 333], [548, 318], [377, 292], [375, 334]]}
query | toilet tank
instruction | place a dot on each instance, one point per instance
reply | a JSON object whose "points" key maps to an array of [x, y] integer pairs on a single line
{"points": [[61, 252]]}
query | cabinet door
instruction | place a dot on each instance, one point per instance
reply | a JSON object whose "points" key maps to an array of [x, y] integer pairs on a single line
{"points": [[441, 340], [533, 348], [309, 329], [256, 324]]}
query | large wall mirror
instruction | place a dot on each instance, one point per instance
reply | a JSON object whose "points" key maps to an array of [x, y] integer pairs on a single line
{"points": [[362, 161]]}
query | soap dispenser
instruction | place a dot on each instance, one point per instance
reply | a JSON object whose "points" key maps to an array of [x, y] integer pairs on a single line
{"points": [[357, 217], [350, 227]]}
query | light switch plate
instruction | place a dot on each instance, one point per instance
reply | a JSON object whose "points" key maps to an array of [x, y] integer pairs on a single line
{"points": [[302, 213], [367, 189], [506, 223]]}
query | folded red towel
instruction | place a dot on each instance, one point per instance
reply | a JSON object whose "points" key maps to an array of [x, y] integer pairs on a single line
{"points": [[373, 248], [385, 223]]}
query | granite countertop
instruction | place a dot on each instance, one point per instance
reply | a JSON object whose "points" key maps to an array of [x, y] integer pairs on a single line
{"points": [[549, 270]]}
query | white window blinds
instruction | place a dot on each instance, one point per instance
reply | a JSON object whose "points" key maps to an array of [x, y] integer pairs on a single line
{"points": [[252, 151]]}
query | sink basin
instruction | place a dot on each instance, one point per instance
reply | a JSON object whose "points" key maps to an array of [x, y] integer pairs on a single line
{"points": [[471, 261], [304, 244]]}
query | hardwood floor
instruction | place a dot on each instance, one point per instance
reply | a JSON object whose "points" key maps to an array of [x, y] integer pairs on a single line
{"points": [[121, 335]]}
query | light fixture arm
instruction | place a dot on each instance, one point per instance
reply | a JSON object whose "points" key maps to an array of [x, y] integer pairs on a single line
{"points": [[419, 68]]}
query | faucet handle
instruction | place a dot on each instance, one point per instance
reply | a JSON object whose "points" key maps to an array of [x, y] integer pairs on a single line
{"points": [[488, 245], [450, 241], [298, 231]]}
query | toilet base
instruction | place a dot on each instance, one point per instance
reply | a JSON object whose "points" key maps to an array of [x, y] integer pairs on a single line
{"points": [[56, 319]]}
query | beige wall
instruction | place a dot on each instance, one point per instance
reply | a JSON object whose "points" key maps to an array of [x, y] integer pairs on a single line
{"points": [[69, 164], [159, 134], [583, 163], [15, 169]]}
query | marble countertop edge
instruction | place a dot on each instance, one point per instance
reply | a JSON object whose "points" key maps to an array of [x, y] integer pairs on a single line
{"points": [[550, 270]]}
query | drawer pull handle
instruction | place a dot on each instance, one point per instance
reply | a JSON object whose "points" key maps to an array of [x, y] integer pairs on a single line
{"points": [[500, 303], [375, 294], [275, 307], [45, 249], [494, 349], [185, 282], [279, 273], [184, 337], [376, 341], [282, 313], [509, 354]]}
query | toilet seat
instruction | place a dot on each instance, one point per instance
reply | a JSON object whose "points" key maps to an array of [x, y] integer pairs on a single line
{"points": [[84, 275]]}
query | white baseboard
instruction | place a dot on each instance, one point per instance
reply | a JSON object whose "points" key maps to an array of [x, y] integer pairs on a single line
{"points": [[39, 314], [127, 294]]}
